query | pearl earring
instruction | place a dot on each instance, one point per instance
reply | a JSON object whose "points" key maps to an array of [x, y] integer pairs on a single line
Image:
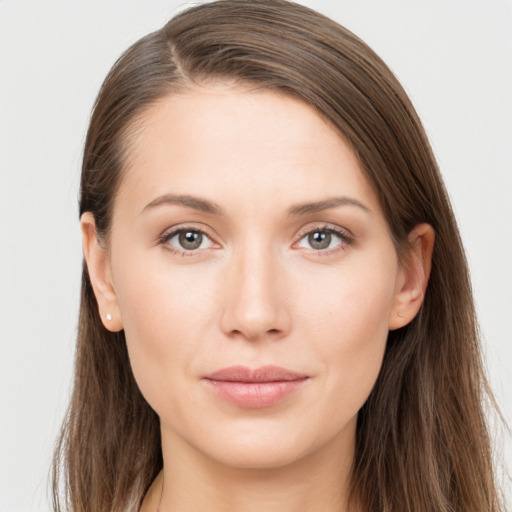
{"points": [[109, 316]]}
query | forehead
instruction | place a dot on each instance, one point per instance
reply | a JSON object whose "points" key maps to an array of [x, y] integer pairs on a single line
{"points": [[238, 144]]}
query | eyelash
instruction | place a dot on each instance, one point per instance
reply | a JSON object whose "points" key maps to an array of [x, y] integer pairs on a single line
{"points": [[345, 237], [164, 240]]}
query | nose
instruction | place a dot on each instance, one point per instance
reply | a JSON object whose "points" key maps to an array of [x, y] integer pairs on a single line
{"points": [[256, 297]]}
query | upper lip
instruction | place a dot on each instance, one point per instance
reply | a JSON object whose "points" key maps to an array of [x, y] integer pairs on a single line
{"points": [[263, 374]]}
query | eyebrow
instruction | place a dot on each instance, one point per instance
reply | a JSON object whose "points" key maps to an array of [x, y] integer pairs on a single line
{"points": [[196, 203], [334, 202], [204, 205]]}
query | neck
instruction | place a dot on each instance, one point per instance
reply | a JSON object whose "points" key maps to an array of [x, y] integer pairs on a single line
{"points": [[191, 481]]}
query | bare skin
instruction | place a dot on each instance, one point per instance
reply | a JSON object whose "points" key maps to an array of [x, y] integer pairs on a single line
{"points": [[246, 233]]}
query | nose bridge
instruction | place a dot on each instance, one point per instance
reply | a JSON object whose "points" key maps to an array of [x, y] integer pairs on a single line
{"points": [[255, 306]]}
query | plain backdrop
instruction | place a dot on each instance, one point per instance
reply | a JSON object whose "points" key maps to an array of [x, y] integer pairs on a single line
{"points": [[454, 58]]}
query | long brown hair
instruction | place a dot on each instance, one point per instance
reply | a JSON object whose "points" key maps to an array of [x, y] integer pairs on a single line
{"points": [[422, 442]]}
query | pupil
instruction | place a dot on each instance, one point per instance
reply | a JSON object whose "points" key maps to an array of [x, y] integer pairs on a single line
{"points": [[320, 240], [190, 239]]}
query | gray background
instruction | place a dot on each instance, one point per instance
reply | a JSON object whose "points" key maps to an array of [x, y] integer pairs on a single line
{"points": [[454, 59]]}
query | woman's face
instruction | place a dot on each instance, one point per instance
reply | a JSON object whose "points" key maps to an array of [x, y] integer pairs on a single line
{"points": [[246, 237]]}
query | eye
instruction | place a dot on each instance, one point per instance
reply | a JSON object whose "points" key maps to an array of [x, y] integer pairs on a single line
{"points": [[187, 240], [324, 239]]}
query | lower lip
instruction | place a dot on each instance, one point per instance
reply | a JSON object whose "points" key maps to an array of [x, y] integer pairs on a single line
{"points": [[255, 395]]}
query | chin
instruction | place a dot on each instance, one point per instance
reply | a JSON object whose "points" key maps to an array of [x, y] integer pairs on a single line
{"points": [[259, 456], [259, 446]]}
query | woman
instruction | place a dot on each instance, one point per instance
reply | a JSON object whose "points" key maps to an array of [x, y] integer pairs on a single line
{"points": [[276, 312]]}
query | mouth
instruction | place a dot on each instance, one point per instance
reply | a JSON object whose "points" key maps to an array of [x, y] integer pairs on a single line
{"points": [[255, 388]]}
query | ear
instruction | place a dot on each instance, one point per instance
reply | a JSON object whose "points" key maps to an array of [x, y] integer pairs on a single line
{"points": [[97, 259], [413, 275]]}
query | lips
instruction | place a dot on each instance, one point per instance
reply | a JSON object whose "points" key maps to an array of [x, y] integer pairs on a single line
{"points": [[255, 388]]}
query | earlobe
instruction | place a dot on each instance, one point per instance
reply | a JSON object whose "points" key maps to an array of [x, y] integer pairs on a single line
{"points": [[98, 266], [413, 276]]}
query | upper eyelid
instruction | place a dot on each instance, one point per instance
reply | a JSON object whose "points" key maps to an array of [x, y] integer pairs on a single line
{"points": [[338, 230], [173, 230]]}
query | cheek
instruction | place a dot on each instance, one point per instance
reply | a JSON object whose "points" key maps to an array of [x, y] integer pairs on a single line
{"points": [[166, 313], [351, 303], [347, 325]]}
